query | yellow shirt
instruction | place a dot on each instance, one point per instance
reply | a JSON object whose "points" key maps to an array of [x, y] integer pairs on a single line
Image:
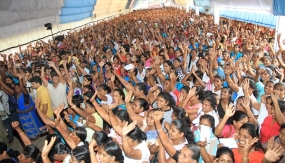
{"points": [[43, 95], [98, 119]]}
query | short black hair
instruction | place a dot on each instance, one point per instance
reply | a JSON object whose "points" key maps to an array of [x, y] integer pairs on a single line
{"points": [[53, 73], [36, 79]]}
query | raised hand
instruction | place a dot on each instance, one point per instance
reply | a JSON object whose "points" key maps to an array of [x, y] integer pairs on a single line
{"points": [[230, 110], [274, 151], [128, 98], [47, 146], [246, 102], [275, 95], [158, 115], [128, 128], [248, 145]]}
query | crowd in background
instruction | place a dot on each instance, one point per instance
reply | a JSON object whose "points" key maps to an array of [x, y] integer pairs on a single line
{"points": [[155, 85]]}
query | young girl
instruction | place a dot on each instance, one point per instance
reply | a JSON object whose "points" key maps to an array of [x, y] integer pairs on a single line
{"points": [[208, 148]]}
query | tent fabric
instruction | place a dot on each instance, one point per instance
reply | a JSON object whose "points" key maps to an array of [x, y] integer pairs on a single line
{"points": [[74, 10], [259, 19], [278, 7], [260, 6], [19, 16]]}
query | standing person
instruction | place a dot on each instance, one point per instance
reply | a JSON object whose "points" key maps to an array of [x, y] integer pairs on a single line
{"points": [[26, 111], [4, 112], [57, 89], [43, 96]]}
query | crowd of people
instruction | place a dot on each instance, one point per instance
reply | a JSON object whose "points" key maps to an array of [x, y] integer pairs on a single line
{"points": [[155, 85]]}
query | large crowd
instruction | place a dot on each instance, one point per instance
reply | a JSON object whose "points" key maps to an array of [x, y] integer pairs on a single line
{"points": [[156, 85]]}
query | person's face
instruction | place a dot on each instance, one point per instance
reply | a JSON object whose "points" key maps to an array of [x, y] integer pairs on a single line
{"points": [[23, 159], [174, 133], [239, 105], [17, 89], [136, 107], [143, 58], [282, 137], [268, 89], [183, 92], [266, 62], [207, 106], [224, 158], [107, 67], [34, 85], [225, 94], [268, 105], [95, 68], [239, 123], [236, 48], [116, 97], [166, 67], [150, 119], [225, 55], [137, 92], [161, 102], [82, 64], [102, 92], [166, 85], [177, 53], [243, 137], [275, 62], [217, 82], [89, 110], [105, 157], [205, 122], [55, 79], [85, 81], [193, 53], [8, 81], [176, 64], [185, 156], [155, 93], [281, 89]]}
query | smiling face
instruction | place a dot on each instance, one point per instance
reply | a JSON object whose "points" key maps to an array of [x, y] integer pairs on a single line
{"points": [[244, 137]]}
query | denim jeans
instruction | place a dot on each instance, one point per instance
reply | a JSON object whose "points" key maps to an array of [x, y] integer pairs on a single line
{"points": [[8, 127]]}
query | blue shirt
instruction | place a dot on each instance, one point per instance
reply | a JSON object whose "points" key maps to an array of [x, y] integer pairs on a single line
{"points": [[238, 56], [191, 47], [212, 145]]}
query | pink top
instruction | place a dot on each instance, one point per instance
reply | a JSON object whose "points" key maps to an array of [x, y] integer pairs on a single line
{"points": [[228, 131]]}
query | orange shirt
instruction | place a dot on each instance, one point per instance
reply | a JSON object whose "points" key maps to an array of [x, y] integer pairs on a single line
{"points": [[253, 157]]}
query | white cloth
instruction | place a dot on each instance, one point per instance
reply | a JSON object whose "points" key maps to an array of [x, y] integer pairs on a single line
{"points": [[109, 100], [177, 148], [4, 105], [58, 94], [145, 154], [196, 121]]}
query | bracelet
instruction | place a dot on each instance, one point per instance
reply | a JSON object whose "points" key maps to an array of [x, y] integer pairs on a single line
{"points": [[73, 106], [160, 129], [92, 153], [21, 133], [245, 158]]}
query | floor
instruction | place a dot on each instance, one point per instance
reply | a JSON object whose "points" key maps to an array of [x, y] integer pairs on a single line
{"points": [[17, 144]]}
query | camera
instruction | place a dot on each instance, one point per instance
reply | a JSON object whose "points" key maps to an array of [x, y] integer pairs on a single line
{"points": [[41, 63]]}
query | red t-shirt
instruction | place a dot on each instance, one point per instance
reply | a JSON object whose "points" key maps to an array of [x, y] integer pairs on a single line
{"points": [[253, 157], [268, 129]]}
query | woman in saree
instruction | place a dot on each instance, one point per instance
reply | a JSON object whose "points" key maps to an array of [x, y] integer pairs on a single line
{"points": [[26, 111]]}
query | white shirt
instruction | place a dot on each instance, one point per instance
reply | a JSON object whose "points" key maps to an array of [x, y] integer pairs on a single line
{"points": [[263, 113], [109, 100], [58, 94], [145, 154]]}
